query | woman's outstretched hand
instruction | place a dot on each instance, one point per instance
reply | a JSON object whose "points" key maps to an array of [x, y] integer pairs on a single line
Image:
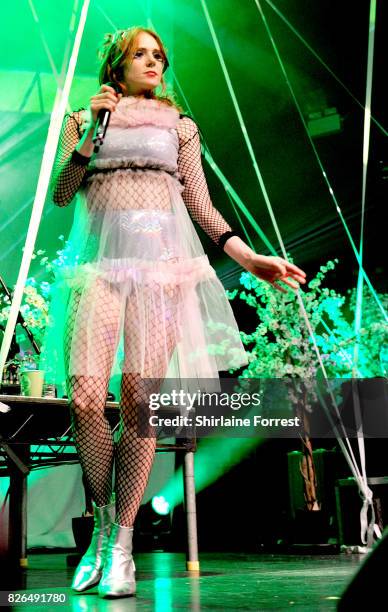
{"points": [[269, 268], [273, 269]]}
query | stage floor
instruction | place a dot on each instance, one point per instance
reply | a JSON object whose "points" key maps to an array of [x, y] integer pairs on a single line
{"points": [[227, 581]]}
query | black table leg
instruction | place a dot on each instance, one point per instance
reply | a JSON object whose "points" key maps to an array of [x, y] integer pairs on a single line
{"points": [[17, 522]]}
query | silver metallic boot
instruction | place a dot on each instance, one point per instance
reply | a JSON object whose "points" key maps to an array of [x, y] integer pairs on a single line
{"points": [[118, 577], [89, 570]]}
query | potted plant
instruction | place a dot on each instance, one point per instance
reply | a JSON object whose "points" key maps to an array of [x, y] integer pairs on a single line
{"points": [[281, 347]]}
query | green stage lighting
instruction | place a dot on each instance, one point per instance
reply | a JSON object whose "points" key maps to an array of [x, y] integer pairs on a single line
{"points": [[160, 505]]}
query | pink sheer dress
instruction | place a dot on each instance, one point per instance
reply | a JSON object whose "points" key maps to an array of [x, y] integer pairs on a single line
{"points": [[135, 278]]}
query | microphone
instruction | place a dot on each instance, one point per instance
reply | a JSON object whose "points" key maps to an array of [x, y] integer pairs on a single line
{"points": [[103, 122]]}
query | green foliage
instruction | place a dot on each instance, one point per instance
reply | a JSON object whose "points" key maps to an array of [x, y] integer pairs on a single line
{"points": [[281, 344], [36, 301]]}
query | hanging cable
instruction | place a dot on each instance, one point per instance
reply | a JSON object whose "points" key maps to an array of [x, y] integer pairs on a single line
{"points": [[46, 47], [321, 61], [354, 467], [360, 284], [326, 179], [242, 125], [59, 81], [365, 159], [348, 452], [44, 42], [70, 35], [103, 13], [57, 116], [366, 528], [233, 196]]}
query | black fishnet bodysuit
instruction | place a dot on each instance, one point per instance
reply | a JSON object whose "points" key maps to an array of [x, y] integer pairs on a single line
{"points": [[97, 451]]}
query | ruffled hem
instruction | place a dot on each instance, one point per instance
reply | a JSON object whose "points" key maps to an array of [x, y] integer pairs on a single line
{"points": [[132, 111], [135, 163], [141, 272]]}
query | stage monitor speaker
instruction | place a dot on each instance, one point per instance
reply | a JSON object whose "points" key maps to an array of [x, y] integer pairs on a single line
{"points": [[369, 585]]}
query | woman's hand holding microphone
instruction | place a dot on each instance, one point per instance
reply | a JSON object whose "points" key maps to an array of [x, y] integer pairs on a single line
{"points": [[106, 98]]}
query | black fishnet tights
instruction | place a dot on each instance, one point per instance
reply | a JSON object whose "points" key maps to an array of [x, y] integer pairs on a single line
{"points": [[92, 434], [68, 175], [87, 394], [133, 453]]}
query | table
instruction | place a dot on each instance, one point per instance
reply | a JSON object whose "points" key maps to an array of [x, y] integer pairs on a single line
{"points": [[46, 421]]}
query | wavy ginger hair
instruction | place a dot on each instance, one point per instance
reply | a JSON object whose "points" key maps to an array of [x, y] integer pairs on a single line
{"points": [[115, 51]]}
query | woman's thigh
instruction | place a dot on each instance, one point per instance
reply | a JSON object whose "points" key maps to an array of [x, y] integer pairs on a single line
{"points": [[91, 337], [151, 330]]}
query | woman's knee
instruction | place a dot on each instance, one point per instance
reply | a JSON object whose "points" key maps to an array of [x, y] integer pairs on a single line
{"points": [[85, 406], [86, 397]]}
